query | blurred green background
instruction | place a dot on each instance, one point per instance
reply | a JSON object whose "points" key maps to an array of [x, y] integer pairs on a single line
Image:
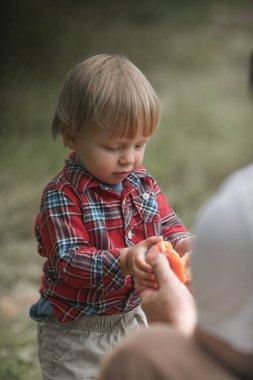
{"points": [[196, 55]]}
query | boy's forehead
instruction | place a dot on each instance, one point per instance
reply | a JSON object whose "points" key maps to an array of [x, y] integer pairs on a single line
{"points": [[123, 138], [107, 135]]}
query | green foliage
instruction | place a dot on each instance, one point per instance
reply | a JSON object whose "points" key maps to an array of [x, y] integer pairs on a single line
{"points": [[196, 55], [18, 354]]}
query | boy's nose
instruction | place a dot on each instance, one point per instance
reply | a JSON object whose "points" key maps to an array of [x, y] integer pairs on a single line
{"points": [[127, 157]]}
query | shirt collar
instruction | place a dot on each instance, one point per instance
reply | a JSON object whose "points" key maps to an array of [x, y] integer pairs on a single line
{"points": [[80, 179]]}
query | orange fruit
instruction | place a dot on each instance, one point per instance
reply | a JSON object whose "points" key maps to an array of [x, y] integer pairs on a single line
{"points": [[180, 266]]}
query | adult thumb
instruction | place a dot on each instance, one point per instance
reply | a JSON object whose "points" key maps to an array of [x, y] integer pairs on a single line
{"points": [[161, 268]]}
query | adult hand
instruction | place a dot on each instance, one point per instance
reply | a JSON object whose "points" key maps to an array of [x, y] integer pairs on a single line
{"points": [[172, 302]]}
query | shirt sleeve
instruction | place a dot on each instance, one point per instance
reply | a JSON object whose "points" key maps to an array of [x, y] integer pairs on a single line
{"points": [[172, 227], [63, 239]]}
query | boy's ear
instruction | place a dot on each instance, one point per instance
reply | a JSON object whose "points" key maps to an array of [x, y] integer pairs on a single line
{"points": [[69, 138]]}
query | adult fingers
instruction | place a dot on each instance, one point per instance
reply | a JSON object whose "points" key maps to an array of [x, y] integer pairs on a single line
{"points": [[161, 269]]}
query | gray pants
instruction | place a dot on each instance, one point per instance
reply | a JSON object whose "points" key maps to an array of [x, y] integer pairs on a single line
{"points": [[73, 351]]}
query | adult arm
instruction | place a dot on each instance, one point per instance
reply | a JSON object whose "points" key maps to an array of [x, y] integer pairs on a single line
{"points": [[171, 302]]}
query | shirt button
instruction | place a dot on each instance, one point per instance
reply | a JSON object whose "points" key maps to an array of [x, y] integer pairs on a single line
{"points": [[146, 196], [130, 235]]}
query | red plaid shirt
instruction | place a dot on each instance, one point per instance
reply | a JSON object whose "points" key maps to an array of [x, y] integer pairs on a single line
{"points": [[80, 228]]}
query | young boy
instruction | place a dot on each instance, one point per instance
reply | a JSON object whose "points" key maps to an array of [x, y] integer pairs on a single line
{"points": [[98, 217]]}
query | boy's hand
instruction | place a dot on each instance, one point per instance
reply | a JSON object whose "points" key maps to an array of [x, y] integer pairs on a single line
{"points": [[184, 245], [133, 261]]}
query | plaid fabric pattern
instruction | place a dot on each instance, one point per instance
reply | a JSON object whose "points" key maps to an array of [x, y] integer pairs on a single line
{"points": [[80, 228]]}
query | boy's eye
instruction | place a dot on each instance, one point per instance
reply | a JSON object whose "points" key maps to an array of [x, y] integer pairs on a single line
{"points": [[113, 148], [116, 148], [139, 146]]}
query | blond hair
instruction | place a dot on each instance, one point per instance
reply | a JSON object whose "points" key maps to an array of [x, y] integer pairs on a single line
{"points": [[107, 91]]}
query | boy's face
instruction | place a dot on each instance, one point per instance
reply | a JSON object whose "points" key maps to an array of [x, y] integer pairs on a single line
{"points": [[109, 160]]}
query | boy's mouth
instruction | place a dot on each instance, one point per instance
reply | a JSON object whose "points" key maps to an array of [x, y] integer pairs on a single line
{"points": [[121, 174]]}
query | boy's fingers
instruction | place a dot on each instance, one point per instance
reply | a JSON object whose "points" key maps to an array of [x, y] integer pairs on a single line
{"points": [[146, 286], [141, 275], [142, 264], [149, 284]]}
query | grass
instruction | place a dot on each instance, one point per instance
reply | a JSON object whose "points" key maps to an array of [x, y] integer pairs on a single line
{"points": [[196, 55]]}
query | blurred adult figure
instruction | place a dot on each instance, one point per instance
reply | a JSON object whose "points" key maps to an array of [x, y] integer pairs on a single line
{"points": [[220, 344]]}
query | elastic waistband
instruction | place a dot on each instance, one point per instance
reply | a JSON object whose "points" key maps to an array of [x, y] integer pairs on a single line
{"points": [[100, 323]]}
